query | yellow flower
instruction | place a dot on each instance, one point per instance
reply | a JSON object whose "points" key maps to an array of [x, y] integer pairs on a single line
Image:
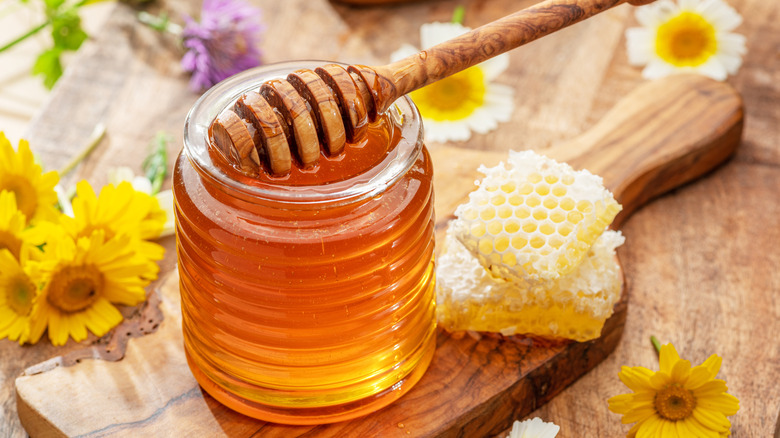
{"points": [[534, 428], [676, 401], [18, 298], [33, 190], [84, 278], [14, 233], [119, 210], [686, 36], [467, 101]]}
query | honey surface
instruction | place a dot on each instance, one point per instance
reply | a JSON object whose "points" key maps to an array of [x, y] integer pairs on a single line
{"points": [[357, 158]]}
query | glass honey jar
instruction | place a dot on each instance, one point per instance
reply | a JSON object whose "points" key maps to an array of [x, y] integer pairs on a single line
{"points": [[307, 298]]}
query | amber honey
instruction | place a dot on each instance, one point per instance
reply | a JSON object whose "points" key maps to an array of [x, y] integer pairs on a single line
{"points": [[309, 298]]}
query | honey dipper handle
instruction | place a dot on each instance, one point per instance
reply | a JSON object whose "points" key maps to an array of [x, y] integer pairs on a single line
{"points": [[388, 83]]}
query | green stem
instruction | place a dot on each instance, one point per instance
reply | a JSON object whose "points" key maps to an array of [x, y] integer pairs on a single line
{"points": [[29, 33], [656, 343], [94, 139], [458, 14], [160, 23]]}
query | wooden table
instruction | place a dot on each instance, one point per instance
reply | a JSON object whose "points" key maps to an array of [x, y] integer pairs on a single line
{"points": [[702, 262]]}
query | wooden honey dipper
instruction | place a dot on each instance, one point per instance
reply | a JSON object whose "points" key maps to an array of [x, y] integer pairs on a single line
{"points": [[333, 104]]}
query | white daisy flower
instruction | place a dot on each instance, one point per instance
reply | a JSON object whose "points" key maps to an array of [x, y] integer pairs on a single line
{"points": [[467, 101], [535, 428], [686, 36]]}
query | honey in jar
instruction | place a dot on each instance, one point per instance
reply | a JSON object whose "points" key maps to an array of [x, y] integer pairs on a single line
{"points": [[307, 298]]}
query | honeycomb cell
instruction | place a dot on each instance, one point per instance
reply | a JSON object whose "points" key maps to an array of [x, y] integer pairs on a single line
{"points": [[486, 246], [533, 201], [498, 200], [505, 212], [512, 227], [559, 190], [470, 214], [557, 216], [522, 212], [487, 213], [495, 227], [530, 227], [519, 242], [540, 214], [542, 189]]}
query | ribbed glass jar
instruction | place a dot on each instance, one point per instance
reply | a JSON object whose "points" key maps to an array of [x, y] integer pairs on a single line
{"points": [[306, 304]]}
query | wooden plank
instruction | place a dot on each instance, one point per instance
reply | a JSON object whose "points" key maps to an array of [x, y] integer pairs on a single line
{"points": [[476, 387], [678, 290]]}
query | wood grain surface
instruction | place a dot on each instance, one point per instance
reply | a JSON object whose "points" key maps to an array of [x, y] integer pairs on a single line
{"points": [[700, 261], [472, 387]]}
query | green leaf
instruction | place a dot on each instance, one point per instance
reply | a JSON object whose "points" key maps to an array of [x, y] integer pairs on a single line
{"points": [[66, 30], [156, 163], [49, 66], [53, 5]]}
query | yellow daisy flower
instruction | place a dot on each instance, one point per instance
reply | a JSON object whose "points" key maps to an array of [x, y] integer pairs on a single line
{"points": [[33, 189], [467, 101], [18, 295], [119, 210], [84, 278], [534, 428], [13, 231], [677, 400], [686, 36]]}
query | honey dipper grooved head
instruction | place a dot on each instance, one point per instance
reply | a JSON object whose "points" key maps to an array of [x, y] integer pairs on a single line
{"points": [[291, 118]]}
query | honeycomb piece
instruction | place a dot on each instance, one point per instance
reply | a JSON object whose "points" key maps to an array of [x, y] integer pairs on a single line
{"points": [[574, 306], [534, 219]]}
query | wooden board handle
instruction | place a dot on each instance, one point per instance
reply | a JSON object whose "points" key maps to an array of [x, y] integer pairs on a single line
{"points": [[391, 81], [659, 137]]}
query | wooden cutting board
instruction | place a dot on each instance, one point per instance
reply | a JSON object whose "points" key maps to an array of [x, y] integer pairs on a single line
{"points": [[659, 137]]}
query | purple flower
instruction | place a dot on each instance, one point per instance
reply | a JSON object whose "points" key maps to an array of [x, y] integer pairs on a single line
{"points": [[224, 43]]}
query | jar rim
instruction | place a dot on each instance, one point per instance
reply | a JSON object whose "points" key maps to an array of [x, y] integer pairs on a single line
{"points": [[355, 188]]}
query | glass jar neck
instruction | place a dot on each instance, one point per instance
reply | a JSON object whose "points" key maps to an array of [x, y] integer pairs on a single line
{"points": [[370, 183]]}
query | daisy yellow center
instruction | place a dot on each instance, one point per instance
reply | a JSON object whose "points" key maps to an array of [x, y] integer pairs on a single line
{"points": [[19, 294], [675, 402], [11, 243], [74, 288], [24, 192], [453, 98], [687, 40]]}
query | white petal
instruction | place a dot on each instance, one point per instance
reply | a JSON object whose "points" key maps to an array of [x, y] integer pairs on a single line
{"points": [[657, 13], [722, 16], [445, 131], [640, 45], [731, 43], [534, 428], [495, 66], [714, 69], [435, 33], [118, 174], [657, 69], [689, 5], [165, 198], [142, 184], [402, 52]]}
